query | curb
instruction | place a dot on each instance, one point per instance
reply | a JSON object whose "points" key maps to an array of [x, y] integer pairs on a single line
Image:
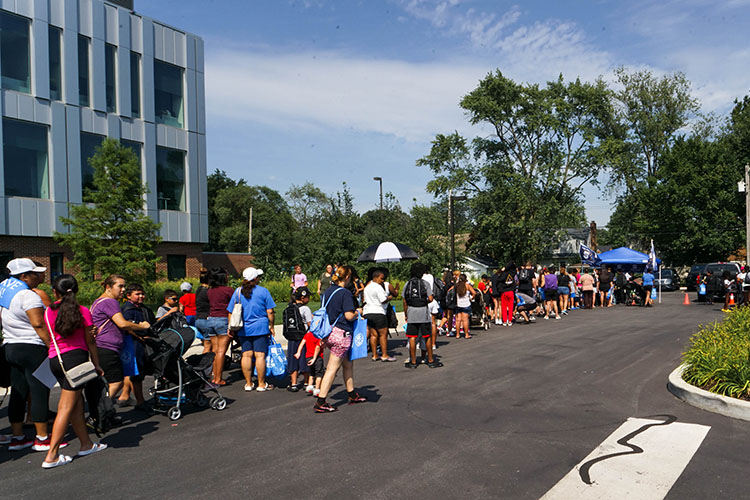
{"points": [[716, 403]]}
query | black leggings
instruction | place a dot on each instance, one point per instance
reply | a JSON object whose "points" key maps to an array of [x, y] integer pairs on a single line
{"points": [[24, 359]]}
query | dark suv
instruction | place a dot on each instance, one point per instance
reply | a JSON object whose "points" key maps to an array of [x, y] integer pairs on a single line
{"points": [[718, 268], [669, 280], [696, 270]]}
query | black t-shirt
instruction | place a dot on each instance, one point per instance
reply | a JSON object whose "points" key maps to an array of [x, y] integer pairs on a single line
{"points": [[136, 313], [202, 305], [563, 280], [605, 278], [496, 286], [338, 304], [506, 282]]}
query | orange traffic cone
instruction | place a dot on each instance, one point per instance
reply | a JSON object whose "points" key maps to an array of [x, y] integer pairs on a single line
{"points": [[686, 302], [731, 299]]}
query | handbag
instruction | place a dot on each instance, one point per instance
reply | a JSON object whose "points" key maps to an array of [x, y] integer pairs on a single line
{"points": [[275, 360], [236, 322], [359, 340], [78, 375], [390, 316]]}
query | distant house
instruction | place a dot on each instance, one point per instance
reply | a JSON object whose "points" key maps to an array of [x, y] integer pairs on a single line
{"points": [[567, 251], [475, 266]]}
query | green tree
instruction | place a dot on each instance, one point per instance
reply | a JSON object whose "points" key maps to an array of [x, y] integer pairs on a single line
{"points": [[654, 110], [110, 232], [216, 182], [273, 225], [307, 203], [525, 178]]}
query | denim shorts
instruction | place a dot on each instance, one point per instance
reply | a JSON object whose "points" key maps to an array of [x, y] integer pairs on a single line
{"points": [[563, 290], [464, 310], [256, 343], [216, 325]]}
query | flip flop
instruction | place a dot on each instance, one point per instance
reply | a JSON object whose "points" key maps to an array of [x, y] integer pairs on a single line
{"points": [[388, 359], [61, 460], [97, 447]]}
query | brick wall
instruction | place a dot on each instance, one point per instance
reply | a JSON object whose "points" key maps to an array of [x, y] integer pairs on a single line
{"points": [[234, 263], [39, 249]]}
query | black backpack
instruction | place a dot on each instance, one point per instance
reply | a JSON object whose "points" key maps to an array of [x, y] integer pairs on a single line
{"points": [[746, 281], [438, 289], [102, 414], [294, 324], [524, 276], [415, 293], [620, 280]]}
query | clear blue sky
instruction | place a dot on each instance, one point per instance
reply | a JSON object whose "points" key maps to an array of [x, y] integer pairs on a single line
{"points": [[332, 91]]}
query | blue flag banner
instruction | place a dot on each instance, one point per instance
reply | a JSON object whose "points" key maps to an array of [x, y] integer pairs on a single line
{"points": [[588, 256]]}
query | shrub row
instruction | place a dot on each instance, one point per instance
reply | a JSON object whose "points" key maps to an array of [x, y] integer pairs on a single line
{"points": [[718, 359]]}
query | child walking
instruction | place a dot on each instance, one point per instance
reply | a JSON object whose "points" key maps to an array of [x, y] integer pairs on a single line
{"points": [[314, 360]]}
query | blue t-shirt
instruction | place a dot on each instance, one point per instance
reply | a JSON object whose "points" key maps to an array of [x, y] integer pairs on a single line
{"points": [[253, 311], [648, 279], [342, 302]]}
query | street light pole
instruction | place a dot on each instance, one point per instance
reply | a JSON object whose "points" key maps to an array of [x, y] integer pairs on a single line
{"points": [[451, 223], [380, 180]]}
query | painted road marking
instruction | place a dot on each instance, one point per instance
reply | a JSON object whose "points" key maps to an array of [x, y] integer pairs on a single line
{"points": [[642, 459]]}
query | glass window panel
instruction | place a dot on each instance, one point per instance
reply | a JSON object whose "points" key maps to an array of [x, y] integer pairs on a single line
{"points": [[83, 70], [176, 268], [170, 178], [14, 52], [56, 264], [55, 63], [168, 94], [89, 143], [110, 76], [135, 84], [25, 159]]}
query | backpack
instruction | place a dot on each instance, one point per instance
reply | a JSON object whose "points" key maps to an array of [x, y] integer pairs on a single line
{"points": [[102, 414], [524, 276], [321, 326], [293, 323], [620, 280], [415, 293], [438, 289], [746, 281]]}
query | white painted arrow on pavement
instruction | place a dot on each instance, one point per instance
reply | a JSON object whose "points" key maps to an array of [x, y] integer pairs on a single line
{"points": [[642, 460]]}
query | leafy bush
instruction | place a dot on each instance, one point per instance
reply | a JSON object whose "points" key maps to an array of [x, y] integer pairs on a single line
{"points": [[718, 359]]}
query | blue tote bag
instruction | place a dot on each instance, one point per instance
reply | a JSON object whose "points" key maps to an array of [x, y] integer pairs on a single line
{"points": [[359, 340], [275, 360]]}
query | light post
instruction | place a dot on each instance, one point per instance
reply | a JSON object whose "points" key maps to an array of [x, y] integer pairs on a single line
{"points": [[380, 180], [744, 187], [451, 217]]}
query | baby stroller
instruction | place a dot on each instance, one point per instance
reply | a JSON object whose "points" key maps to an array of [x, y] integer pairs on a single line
{"points": [[480, 316], [178, 381], [635, 294]]}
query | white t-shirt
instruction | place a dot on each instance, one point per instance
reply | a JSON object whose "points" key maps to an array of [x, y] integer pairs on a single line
{"points": [[374, 296], [434, 306], [306, 314], [16, 326]]}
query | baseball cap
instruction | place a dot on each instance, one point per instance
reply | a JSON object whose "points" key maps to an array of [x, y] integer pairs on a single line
{"points": [[20, 266], [186, 286], [251, 273], [301, 292]]}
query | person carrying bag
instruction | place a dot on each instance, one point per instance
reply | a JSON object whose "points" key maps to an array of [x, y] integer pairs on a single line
{"points": [[72, 345]]}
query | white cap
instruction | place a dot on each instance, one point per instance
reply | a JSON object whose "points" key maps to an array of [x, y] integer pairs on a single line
{"points": [[186, 286], [251, 273], [20, 266]]}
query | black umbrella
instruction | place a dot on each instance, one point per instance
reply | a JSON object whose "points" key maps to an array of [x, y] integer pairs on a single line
{"points": [[387, 251]]}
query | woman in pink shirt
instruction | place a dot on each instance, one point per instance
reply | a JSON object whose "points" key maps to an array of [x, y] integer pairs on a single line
{"points": [[73, 331]]}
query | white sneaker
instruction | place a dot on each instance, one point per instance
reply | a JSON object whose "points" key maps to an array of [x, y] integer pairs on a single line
{"points": [[557, 317], [309, 389], [316, 392], [249, 388], [532, 319]]}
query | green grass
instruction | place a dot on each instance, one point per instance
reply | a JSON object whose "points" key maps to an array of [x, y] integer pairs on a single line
{"points": [[718, 359]]}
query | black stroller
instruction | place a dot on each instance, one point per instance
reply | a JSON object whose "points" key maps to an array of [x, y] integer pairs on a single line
{"points": [[635, 294], [480, 315], [178, 381]]}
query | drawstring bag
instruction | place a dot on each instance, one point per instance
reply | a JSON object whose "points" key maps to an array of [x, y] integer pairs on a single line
{"points": [[359, 340]]}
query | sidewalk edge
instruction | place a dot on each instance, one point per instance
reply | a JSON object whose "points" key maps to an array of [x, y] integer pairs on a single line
{"points": [[716, 403]]}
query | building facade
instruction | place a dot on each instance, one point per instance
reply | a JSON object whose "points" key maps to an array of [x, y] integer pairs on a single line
{"points": [[77, 71]]}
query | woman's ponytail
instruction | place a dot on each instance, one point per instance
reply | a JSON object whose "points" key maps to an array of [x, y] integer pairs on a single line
{"points": [[69, 317]]}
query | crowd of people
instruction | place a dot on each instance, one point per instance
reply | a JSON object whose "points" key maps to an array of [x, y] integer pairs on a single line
{"points": [[108, 334]]}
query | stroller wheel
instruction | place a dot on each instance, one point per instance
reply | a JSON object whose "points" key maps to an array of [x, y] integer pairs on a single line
{"points": [[174, 413], [218, 403]]}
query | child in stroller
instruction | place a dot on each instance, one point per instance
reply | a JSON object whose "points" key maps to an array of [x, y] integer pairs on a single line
{"points": [[177, 380]]}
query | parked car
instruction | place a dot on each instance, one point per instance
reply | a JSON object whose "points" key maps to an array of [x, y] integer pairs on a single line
{"points": [[717, 269], [669, 281], [696, 270]]}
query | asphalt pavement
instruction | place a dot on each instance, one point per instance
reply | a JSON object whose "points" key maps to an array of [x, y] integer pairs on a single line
{"points": [[512, 411]]}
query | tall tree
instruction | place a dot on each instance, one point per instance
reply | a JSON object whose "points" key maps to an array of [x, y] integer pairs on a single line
{"points": [[307, 203], [110, 232], [526, 176], [216, 182], [654, 110]]}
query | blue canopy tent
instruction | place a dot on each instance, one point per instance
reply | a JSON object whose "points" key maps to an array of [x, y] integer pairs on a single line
{"points": [[626, 259]]}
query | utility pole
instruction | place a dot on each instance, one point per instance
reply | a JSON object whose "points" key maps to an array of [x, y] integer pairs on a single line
{"points": [[380, 180], [747, 214], [250, 232], [451, 218]]}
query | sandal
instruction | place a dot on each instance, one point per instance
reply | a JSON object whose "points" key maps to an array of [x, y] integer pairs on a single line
{"points": [[95, 448], [267, 387], [389, 359], [435, 364], [61, 460], [374, 359]]}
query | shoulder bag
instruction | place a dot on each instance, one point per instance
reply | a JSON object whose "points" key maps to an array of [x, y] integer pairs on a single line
{"points": [[236, 321], [78, 375]]}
